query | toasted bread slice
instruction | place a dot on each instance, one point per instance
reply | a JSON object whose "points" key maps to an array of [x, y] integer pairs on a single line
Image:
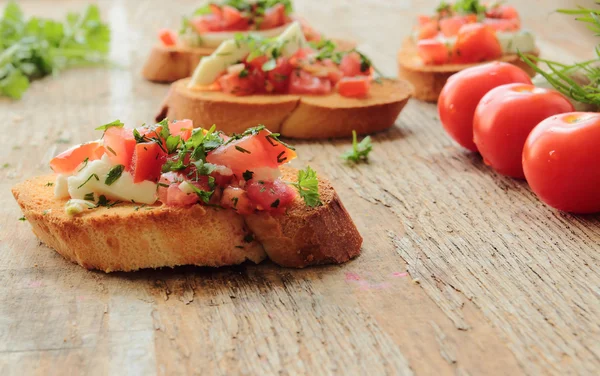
{"points": [[129, 237], [172, 63], [296, 116], [429, 80]]}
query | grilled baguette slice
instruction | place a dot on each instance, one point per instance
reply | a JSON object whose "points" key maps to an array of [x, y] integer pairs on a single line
{"points": [[128, 237], [171, 63], [429, 80], [295, 116]]}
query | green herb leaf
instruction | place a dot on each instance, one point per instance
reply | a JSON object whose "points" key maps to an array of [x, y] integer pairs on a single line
{"points": [[247, 175], [360, 150], [308, 187], [204, 195], [114, 174], [89, 196], [115, 124], [22, 219], [88, 179], [172, 143], [38, 47]]}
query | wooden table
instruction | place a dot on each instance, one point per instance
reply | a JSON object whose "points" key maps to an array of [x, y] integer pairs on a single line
{"points": [[462, 272]]}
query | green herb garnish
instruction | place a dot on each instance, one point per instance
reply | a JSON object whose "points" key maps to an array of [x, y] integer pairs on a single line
{"points": [[115, 124], [360, 150], [247, 175], [114, 174], [88, 179], [37, 47], [308, 187]]}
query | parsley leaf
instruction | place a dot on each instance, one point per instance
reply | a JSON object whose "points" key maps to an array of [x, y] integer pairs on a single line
{"points": [[114, 174], [115, 123], [308, 187], [360, 150], [204, 195], [37, 47], [247, 175]]}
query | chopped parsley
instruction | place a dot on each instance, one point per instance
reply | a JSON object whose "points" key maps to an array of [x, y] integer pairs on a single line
{"points": [[22, 219], [308, 187], [88, 179], [37, 47], [114, 174], [242, 150], [360, 150], [275, 204], [244, 73], [112, 124], [89, 196], [49, 184], [247, 175]]}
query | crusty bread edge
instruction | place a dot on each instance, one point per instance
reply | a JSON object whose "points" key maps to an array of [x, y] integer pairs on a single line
{"points": [[293, 116]]}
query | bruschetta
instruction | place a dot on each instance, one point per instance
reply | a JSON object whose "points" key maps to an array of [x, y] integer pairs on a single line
{"points": [[298, 89], [176, 54], [457, 37], [169, 194]]}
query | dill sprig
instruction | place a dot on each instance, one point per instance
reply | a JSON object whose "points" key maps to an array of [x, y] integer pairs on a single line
{"points": [[579, 81]]}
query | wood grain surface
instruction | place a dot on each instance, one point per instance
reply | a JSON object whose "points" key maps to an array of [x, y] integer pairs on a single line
{"points": [[462, 272]]}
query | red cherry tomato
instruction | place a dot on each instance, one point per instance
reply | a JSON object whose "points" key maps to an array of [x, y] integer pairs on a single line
{"points": [[433, 51], [356, 87], [274, 17], [504, 118], [428, 30], [462, 92], [560, 160], [476, 43], [451, 25]]}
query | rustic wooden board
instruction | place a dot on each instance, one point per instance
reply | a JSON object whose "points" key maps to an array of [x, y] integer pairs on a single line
{"points": [[462, 272]]}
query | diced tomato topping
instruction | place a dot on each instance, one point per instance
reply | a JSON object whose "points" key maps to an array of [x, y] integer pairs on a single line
{"points": [[232, 83], [207, 23], [67, 161], [182, 128], [354, 86], [147, 162], [120, 145], [231, 15], [428, 30], [251, 152], [216, 10], [351, 65], [503, 11], [476, 43], [274, 17], [279, 76], [167, 37], [422, 19], [302, 82], [500, 24], [451, 25], [269, 195], [170, 194], [237, 199], [432, 51]]}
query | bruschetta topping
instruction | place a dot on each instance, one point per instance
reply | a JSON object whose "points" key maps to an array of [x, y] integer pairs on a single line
{"points": [[177, 165], [468, 31], [287, 64]]}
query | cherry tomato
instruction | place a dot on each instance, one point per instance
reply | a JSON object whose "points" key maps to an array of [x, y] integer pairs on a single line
{"points": [[433, 51], [231, 15], [475, 43], [451, 25], [464, 90], [354, 86], [67, 161], [504, 118], [560, 160], [351, 65]]}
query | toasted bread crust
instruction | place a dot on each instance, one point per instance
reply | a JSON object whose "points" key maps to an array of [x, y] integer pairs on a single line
{"points": [[127, 237], [302, 237], [307, 117], [429, 80], [171, 63]]}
